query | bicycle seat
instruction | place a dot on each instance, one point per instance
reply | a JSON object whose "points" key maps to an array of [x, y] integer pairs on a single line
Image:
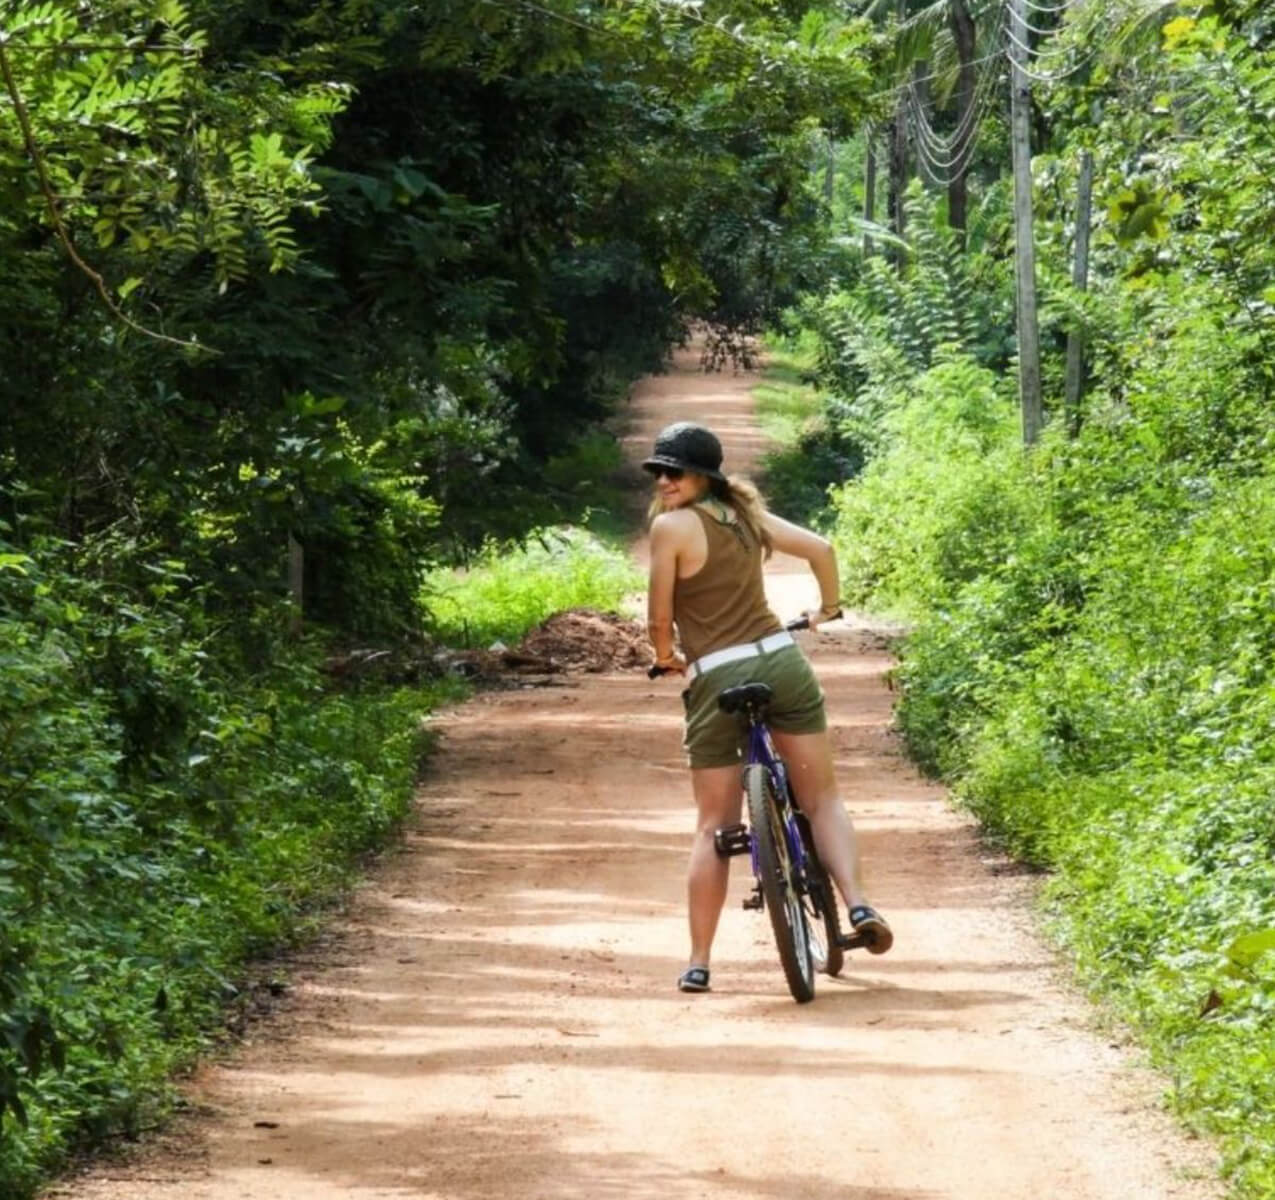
{"points": [[747, 695]]}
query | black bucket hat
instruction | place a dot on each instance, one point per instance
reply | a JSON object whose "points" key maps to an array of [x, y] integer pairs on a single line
{"points": [[690, 447]]}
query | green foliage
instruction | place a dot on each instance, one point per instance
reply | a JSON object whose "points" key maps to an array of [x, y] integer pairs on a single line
{"points": [[936, 511], [168, 812], [507, 591], [261, 185], [357, 509], [889, 324], [1090, 666], [136, 150], [1092, 621]]}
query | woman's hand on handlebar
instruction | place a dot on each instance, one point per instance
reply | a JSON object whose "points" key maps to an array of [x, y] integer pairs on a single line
{"points": [[674, 664], [815, 617]]}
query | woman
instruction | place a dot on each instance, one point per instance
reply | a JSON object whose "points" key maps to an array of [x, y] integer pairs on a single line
{"points": [[709, 536]]}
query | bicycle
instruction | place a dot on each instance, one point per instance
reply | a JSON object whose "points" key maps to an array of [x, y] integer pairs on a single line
{"points": [[789, 880]]}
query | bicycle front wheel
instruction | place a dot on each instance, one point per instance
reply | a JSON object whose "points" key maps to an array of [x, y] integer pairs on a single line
{"points": [[778, 884]]}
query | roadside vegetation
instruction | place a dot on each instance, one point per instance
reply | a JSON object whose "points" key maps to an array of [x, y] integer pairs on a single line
{"points": [[1093, 619], [506, 592]]}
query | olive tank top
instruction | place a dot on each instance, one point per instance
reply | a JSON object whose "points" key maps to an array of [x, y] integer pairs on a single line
{"points": [[723, 603]]}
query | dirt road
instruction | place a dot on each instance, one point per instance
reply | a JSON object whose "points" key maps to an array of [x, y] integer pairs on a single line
{"points": [[499, 1018]]}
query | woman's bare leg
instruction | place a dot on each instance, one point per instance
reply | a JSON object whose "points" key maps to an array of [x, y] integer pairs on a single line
{"points": [[808, 757], [717, 800]]}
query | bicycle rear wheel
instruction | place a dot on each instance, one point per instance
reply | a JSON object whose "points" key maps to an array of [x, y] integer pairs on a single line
{"points": [[820, 902], [778, 885]]}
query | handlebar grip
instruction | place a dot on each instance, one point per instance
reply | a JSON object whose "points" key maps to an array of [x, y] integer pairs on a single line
{"points": [[654, 672], [799, 623]]}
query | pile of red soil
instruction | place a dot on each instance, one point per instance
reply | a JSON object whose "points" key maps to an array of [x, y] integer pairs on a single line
{"points": [[582, 639]]}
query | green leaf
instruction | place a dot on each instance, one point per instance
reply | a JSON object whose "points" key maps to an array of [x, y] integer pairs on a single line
{"points": [[1246, 950]]}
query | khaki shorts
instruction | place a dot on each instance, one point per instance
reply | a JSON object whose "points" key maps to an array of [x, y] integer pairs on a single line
{"points": [[717, 739]]}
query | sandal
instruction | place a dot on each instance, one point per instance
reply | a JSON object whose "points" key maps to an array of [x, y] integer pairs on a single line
{"points": [[878, 937], [693, 979]]}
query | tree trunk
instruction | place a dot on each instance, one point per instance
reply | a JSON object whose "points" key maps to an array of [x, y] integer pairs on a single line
{"points": [[965, 36], [296, 583], [925, 107], [899, 177]]}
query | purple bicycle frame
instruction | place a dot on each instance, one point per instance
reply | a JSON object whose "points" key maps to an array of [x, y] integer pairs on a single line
{"points": [[761, 751]]}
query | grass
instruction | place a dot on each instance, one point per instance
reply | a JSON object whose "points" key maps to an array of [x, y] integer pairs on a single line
{"points": [[810, 454], [511, 590], [788, 405]]}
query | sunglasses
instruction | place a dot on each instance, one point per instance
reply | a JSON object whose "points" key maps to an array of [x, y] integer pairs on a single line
{"points": [[672, 474]]}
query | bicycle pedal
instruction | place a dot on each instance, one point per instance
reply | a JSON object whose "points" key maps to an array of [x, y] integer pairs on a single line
{"points": [[852, 941], [755, 900], [731, 840]]}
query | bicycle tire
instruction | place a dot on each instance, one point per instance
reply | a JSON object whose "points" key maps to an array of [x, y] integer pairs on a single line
{"points": [[821, 902], [783, 903]]}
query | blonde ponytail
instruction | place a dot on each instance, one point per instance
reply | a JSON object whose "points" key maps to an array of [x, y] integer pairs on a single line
{"points": [[750, 509]]}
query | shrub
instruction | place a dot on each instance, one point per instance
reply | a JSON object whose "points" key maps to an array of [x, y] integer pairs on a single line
{"points": [[509, 590], [168, 813], [1090, 667]]}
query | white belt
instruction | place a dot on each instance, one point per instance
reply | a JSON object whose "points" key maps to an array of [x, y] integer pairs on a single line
{"points": [[776, 641]]}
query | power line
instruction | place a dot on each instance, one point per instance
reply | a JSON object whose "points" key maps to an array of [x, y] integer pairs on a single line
{"points": [[895, 89], [1045, 33], [949, 140], [557, 16], [945, 170], [947, 157], [1049, 77], [951, 146]]}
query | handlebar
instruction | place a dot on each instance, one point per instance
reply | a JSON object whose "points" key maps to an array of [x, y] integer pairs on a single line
{"points": [[794, 626]]}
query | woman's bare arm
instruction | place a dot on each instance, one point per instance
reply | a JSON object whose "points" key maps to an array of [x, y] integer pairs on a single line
{"points": [[818, 552], [665, 545]]}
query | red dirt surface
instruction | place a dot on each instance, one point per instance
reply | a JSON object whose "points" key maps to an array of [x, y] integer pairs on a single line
{"points": [[582, 639], [496, 1015]]}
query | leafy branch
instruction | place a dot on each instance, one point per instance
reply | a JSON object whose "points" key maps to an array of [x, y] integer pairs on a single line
{"points": [[55, 216]]}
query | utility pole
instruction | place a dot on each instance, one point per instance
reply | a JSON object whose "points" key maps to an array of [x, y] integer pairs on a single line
{"points": [[1020, 139], [899, 165], [869, 188], [1080, 280]]}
